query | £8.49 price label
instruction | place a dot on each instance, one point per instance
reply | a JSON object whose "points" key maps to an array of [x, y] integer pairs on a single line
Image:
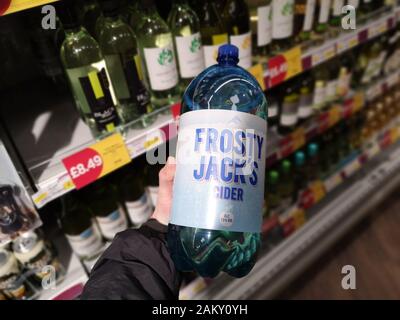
{"points": [[94, 162]]}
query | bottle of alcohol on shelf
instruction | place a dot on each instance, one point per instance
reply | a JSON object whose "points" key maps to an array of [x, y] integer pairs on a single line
{"points": [[282, 24], [134, 196], [286, 184], [313, 162], [322, 19], [303, 21], [87, 74], [272, 108], [158, 57], [135, 14], [320, 75], [300, 174], [106, 209], [185, 28], [335, 21], [306, 97], [332, 84], [261, 27], [288, 109], [80, 229], [237, 14], [273, 199], [118, 44], [214, 32]]}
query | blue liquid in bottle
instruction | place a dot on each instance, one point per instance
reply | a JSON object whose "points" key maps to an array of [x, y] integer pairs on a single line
{"points": [[219, 183]]}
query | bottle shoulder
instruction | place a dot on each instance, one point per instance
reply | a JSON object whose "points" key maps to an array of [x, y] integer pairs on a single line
{"points": [[183, 22], [80, 49], [152, 27], [117, 38]]}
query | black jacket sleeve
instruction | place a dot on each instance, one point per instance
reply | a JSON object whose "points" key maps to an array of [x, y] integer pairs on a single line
{"points": [[136, 265]]}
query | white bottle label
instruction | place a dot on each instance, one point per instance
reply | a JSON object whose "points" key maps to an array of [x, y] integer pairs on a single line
{"points": [[87, 243], [190, 55], [139, 211], [282, 18], [289, 113], [319, 94], [243, 42], [331, 89], [305, 108], [153, 195], [112, 224], [220, 167], [210, 54], [354, 3], [264, 25], [337, 7], [272, 110], [161, 67], [324, 8], [309, 18]]}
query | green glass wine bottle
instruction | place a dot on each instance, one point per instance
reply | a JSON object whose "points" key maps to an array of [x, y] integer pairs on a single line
{"points": [[303, 21], [336, 18], [289, 108], [79, 228], [273, 199], [333, 78], [320, 75], [87, 74], [135, 14], [185, 28], [261, 28], [89, 12], [306, 97], [103, 201], [158, 57], [282, 25], [237, 13], [321, 21], [118, 44], [286, 183], [214, 32]]}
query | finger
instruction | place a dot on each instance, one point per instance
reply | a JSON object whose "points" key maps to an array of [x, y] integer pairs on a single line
{"points": [[167, 174]]}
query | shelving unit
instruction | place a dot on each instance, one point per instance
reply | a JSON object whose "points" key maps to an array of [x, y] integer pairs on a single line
{"points": [[331, 219], [13, 6]]}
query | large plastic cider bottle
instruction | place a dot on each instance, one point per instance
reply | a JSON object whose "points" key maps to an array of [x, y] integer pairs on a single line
{"points": [[219, 183]]}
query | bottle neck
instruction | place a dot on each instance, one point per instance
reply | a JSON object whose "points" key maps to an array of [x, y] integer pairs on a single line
{"points": [[73, 30]]}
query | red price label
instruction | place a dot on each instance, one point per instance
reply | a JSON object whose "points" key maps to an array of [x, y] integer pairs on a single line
{"points": [[4, 5], [277, 70], [92, 163]]}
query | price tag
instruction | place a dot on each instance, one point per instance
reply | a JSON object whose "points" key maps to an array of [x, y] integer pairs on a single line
{"points": [[293, 59], [299, 218], [317, 58], [329, 52], [94, 162], [358, 102], [258, 72], [38, 198], [386, 140], [333, 181], [352, 167], [335, 114], [352, 42], [318, 191], [394, 132], [176, 110], [284, 66], [299, 138], [11, 6], [193, 288]]}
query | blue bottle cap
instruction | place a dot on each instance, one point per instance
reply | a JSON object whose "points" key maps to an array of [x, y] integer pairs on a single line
{"points": [[228, 53], [312, 149], [299, 158]]}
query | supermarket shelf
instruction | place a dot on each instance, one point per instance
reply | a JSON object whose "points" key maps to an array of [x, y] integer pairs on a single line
{"points": [[277, 69], [13, 6], [75, 278], [337, 213], [54, 180]]}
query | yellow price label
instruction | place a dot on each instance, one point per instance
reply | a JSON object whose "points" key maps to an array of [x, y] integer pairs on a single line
{"points": [[298, 138], [258, 72], [394, 134], [353, 42], [318, 190], [68, 185], [19, 5], [299, 218], [293, 60], [329, 53], [335, 114], [40, 197], [220, 38]]}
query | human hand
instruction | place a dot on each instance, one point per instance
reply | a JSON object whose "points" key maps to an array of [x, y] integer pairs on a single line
{"points": [[166, 177]]}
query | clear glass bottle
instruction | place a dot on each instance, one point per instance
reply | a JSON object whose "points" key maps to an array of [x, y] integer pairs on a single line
{"points": [[261, 27], [88, 75], [185, 28], [158, 57], [118, 44]]}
